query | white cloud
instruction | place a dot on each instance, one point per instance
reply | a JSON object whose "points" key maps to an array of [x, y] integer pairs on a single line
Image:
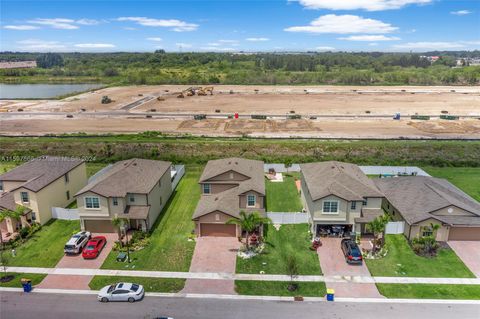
{"points": [[369, 38], [154, 39], [325, 48], [369, 5], [183, 45], [40, 45], [173, 24], [229, 41], [429, 45], [213, 44], [344, 24], [87, 22], [257, 39], [216, 48], [373, 44], [94, 45], [21, 27], [461, 12], [63, 23]]}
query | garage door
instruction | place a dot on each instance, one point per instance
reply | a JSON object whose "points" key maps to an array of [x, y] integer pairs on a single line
{"points": [[99, 226], [218, 230], [464, 233]]}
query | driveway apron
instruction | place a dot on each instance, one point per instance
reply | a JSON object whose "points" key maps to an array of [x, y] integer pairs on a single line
{"points": [[469, 253]]}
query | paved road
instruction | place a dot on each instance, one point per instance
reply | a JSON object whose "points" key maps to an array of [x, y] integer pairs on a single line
{"points": [[52, 306]]}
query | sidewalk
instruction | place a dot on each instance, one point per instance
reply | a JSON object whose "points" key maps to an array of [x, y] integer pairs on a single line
{"points": [[229, 276]]}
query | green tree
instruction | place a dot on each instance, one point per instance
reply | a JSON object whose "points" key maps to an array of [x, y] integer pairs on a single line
{"points": [[292, 269], [17, 213], [249, 223], [118, 223], [49, 60], [377, 227]]}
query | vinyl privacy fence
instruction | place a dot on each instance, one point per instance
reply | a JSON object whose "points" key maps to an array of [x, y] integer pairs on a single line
{"points": [[65, 213], [288, 218]]}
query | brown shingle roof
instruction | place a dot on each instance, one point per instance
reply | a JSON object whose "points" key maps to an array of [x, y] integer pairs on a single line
{"points": [[135, 175], [41, 171], [7, 201], [415, 197], [136, 212], [343, 180], [226, 202]]}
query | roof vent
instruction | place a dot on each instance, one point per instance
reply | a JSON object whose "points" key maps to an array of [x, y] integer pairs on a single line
{"points": [[134, 164]]}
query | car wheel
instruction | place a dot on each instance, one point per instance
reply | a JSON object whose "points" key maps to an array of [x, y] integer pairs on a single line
{"points": [[104, 299], [131, 299]]}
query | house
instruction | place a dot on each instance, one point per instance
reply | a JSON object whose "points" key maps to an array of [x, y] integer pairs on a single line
{"points": [[339, 194], [228, 186], [420, 201], [135, 189], [39, 185]]}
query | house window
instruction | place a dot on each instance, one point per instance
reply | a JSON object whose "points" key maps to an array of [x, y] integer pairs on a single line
{"points": [[1, 186], [251, 200], [68, 195], [131, 198], [67, 179], [353, 205], [330, 207], [231, 175], [34, 216], [161, 201], [365, 202], [206, 189], [24, 197], [115, 201], [92, 202], [427, 231]]}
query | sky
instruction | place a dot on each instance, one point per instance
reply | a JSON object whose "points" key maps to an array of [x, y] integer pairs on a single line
{"points": [[230, 26]]}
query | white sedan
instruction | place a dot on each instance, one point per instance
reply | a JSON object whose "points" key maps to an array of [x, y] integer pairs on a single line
{"points": [[122, 291]]}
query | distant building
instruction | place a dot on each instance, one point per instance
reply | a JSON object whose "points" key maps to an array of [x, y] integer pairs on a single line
{"points": [[18, 65]]}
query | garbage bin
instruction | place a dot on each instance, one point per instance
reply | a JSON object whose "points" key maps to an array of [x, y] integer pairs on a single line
{"points": [[330, 295], [26, 284]]}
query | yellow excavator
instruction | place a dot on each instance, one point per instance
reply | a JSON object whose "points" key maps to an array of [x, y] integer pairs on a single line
{"points": [[200, 91]]}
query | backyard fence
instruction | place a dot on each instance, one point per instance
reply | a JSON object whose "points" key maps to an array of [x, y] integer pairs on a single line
{"points": [[65, 213], [288, 218], [281, 168], [394, 228], [393, 170], [179, 172]]}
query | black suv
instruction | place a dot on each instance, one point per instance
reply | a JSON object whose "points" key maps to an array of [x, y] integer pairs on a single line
{"points": [[351, 251]]}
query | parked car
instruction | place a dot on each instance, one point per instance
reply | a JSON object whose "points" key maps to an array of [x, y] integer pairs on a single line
{"points": [[76, 243], [122, 291], [351, 251], [94, 247]]}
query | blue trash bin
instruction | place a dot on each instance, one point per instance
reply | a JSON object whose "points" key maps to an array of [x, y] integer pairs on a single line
{"points": [[27, 285], [330, 295]]}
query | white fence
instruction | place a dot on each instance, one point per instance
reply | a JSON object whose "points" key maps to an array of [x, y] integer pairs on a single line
{"points": [[65, 213], [393, 170], [179, 172], [280, 168], [395, 228], [288, 218]]}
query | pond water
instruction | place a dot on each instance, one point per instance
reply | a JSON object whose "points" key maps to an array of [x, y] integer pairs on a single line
{"points": [[41, 91]]}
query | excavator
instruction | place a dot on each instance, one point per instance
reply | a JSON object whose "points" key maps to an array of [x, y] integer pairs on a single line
{"points": [[200, 91]]}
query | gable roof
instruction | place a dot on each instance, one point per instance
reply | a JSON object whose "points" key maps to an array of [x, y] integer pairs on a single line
{"points": [[7, 201], [130, 176], [226, 202], [343, 180], [41, 171], [416, 197]]}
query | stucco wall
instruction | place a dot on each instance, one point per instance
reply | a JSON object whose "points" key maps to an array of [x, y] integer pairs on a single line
{"points": [[158, 197], [453, 211], [102, 212], [442, 232], [230, 176], [217, 188], [259, 204], [9, 185]]}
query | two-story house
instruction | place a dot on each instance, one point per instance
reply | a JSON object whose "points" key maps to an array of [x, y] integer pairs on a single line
{"points": [[39, 185], [228, 186], [336, 193], [135, 190]]}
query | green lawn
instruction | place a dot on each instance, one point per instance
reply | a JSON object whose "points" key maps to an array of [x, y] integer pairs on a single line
{"points": [[45, 247], [92, 168], [279, 288], [150, 284], [283, 196], [169, 249], [465, 178], [290, 239], [401, 261], [428, 291], [15, 283]]}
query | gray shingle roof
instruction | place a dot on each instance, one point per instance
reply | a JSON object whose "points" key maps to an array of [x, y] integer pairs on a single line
{"points": [[226, 202], [41, 171], [415, 197], [343, 180], [135, 175]]}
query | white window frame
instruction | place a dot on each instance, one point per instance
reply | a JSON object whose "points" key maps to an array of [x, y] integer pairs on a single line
{"points": [[353, 205], [330, 212], [93, 206], [209, 186], [254, 200], [115, 201], [22, 198]]}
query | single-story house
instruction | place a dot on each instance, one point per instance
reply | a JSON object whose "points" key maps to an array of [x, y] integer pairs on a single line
{"points": [[135, 189]]}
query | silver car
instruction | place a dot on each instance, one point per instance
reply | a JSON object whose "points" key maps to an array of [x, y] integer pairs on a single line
{"points": [[122, 291]]}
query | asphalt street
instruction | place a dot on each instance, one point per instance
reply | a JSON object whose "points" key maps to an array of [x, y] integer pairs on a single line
{"points": [[42, 305]]}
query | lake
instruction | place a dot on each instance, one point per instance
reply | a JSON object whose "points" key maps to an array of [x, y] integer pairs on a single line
{"points": [[42, 91]]}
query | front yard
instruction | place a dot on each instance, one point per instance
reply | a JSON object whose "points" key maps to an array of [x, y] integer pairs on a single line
{"points": [[279, 288], [290, 239], [15, 283], [169, 248], [150, 284], [401, 261], [283, 196], [465, 178], [426, 291], [45, 247]]}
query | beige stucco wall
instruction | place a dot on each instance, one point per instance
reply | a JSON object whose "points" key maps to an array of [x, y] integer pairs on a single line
{"points": [[158, 197], [442, 232], [259, 204], [454, 211], [88, 213], [229, 176], [216, 217]]}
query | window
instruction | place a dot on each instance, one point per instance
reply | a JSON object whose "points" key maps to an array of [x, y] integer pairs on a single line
{"points": [[427, 231], [231, 175], [330, 207], [68, 195], [365, 202], [251, 200], [161, 201], [24, 197], [131, 198], [92, 202], [66, 178], [115, 201], [1, 186], [206, 188], [34, 216], [353, 205]]}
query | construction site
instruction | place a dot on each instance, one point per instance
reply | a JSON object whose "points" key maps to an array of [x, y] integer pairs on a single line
{"points": [[257, 111]]}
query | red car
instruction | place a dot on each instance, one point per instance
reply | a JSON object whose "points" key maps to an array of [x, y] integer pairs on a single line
{"points": [[94, 247]]}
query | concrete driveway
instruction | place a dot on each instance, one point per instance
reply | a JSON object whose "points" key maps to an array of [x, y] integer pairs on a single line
{"points": [[333, 263], [77, 261], [469, 253], [215, 255]]}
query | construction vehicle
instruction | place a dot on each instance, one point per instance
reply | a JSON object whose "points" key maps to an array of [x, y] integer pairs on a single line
{"points": [[196, 90], [106, 99]]}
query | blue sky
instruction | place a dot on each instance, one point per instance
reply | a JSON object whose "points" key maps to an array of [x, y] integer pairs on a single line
{"points": [[224, 26]]}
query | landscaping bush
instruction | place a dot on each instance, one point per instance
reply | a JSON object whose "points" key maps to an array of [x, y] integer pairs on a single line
{"points": [[425, 246]]}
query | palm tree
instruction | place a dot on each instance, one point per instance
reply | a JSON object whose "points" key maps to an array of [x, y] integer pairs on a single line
{"points": [[249, 223], [17, 213], [378, 227], [118, 223]]}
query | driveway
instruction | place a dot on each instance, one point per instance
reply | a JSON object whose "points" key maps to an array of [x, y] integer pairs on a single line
{"points": [[76, 261], [215, 255], [333, 263], [469, 253]]}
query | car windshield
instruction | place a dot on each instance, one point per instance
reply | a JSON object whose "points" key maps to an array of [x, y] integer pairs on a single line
{"points": [[134, 287], [90, 247], [69, 246], [110, 289], [355, 251]]}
